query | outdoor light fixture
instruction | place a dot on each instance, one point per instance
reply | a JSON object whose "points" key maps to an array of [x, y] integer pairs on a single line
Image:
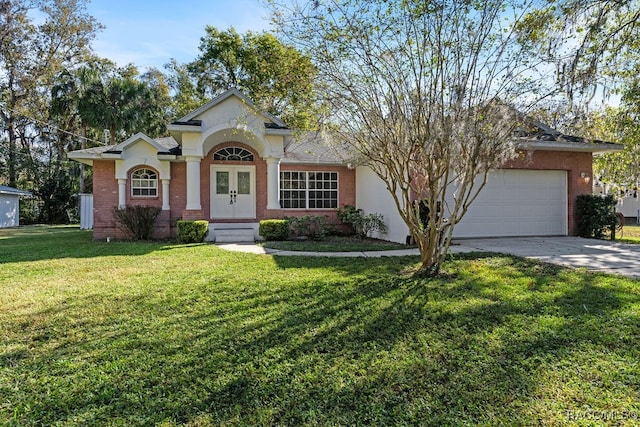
{"points": [[585, 177]]}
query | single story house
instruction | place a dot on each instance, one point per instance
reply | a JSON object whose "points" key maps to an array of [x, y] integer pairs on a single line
{"points": [[10, 206], [234, 166]]}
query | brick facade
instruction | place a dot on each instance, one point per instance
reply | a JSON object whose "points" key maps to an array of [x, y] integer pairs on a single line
{"points": [[105, 198], [105, 189], [212, 126]]}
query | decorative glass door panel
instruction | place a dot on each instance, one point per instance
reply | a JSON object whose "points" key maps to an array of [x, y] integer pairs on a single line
{"points": [[233, 192]]}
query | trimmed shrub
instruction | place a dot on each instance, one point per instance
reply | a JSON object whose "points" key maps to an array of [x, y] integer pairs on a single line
{"points": [[311, 226], [192, 231], [370, 223], [363, 225], [595, 215], [274, 229], [137, 222], [349, 215]]}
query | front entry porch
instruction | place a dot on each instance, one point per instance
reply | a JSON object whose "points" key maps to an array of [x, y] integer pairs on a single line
{"points": [[224, 232], [233, 192]]}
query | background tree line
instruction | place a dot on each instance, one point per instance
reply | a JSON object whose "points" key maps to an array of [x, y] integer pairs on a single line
{"points": [[57, 96]]}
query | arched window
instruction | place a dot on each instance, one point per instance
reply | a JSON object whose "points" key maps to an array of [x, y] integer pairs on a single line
{"points": [[144, 182], [233, 153]]}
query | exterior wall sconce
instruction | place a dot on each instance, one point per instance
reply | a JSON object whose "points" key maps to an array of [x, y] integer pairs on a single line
{"points": [[585, 177]]}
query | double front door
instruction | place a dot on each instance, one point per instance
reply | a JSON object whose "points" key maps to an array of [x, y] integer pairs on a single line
{"points": [[233, 192]]}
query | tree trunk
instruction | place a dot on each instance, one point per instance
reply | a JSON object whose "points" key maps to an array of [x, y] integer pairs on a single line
{"points": [[83, 145], [13, 155]]}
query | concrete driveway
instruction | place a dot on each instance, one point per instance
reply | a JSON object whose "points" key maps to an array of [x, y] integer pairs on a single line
{"points": [[594, 255]]}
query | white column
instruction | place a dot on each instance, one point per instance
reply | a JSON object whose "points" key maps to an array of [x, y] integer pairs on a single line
{"points": [[193, 183], [165, 195], [273, 183], [122, 193]]}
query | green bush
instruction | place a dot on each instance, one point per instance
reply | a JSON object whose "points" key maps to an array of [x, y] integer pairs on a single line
{"points": [[311, 226], [595, 215], [349, 216], [192, 231], [274, 229], [362, 224], [137, 221]]}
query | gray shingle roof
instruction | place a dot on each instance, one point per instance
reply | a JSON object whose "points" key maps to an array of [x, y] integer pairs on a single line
{"points": [[314, 148]]}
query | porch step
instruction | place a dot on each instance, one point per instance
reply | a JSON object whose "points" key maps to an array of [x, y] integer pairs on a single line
{"points": [[234, 235]]}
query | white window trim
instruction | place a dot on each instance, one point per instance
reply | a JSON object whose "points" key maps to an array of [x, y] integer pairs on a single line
{"points": [[307, 190], [154, 181]]}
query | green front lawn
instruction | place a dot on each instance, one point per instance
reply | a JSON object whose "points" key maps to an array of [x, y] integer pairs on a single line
{"points": [[630, 234], [96, 333], [335, 244]]}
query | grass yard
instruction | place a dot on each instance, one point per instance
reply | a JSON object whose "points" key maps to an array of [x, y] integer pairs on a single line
{"points": [[630, 234], [335, 244], [159, 334]]}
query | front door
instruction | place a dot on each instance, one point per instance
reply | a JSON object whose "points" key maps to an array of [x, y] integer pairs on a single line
{"points": [[233, 192]]}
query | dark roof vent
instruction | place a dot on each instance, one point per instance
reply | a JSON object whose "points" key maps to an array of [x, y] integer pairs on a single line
{"points": [[274, 126], [188, 123]]}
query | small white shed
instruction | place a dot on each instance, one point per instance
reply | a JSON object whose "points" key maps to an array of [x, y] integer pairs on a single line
{"points": [[10, 206]]}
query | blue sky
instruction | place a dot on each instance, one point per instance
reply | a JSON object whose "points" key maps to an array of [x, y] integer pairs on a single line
{"points": [[148, 33]]}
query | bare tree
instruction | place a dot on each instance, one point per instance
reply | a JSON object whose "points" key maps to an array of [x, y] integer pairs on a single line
{"points": [[593, 45], [426, 94]]}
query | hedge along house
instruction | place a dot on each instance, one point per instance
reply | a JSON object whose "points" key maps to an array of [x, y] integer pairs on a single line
{"points": [[232, 165], [226, 163]]}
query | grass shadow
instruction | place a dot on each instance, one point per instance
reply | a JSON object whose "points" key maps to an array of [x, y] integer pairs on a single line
{"points": [[38, 243], [254, 340]]}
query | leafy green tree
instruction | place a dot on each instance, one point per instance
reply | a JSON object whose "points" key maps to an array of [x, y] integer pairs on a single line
{"points": [[187, 97], [119, 100], [31, 55], [56, 193], [621, 125], [276, 76]]}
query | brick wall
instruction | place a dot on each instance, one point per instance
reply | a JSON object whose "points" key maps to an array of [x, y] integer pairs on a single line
{"points": [[105, 199], [105, 189], [346, 186]]}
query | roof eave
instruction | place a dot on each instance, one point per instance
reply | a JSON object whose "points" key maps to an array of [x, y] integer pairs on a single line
{"points": [[318, 161], [84, 158], [284, 132], [583, 147], [184, 128], [18, 193]]}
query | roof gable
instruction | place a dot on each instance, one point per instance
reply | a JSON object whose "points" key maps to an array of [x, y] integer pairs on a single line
{"points": [[537, 135], [191, 118], [162, 146]]}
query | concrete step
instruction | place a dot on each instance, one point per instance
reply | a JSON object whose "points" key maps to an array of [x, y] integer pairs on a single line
{"points": [[234, 235]]}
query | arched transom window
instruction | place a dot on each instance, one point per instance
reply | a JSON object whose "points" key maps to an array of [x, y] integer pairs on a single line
{"points": [[144, 182], [233, 153]]}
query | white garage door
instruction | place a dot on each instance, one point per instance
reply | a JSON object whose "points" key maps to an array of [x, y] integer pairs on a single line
{"points": [[518, 203]]}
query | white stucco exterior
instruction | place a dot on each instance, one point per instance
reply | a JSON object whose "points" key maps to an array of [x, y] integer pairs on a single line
{"points": [[372, 196], [229, 117]]}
